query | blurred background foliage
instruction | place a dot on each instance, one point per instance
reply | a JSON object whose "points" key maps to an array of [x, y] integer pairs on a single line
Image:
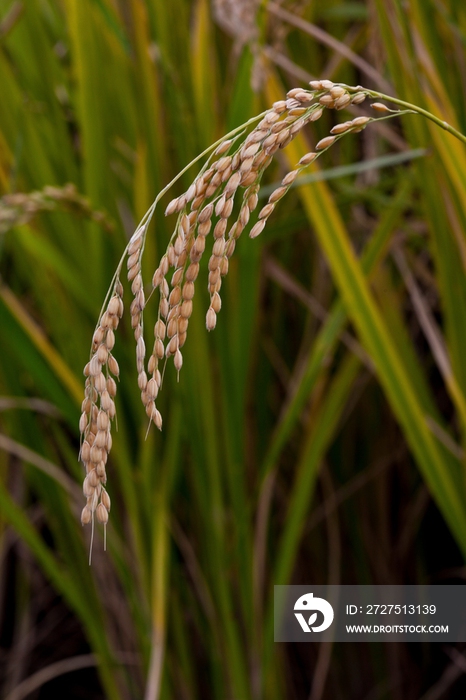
{"points": [[317, 436]]}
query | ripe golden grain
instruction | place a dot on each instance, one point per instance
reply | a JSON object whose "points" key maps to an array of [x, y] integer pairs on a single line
{"points": [[325, 143]]}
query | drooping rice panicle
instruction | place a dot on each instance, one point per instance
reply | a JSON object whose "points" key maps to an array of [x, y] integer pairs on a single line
{"points": [[211, 215]]}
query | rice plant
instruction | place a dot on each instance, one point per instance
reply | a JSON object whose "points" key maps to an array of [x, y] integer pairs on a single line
{"points": [[318, 434], [234, 171]]}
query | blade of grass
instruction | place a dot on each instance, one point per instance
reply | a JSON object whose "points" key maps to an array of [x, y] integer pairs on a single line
{"points": [[353, 169], [159, 497], [205, 430]]}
